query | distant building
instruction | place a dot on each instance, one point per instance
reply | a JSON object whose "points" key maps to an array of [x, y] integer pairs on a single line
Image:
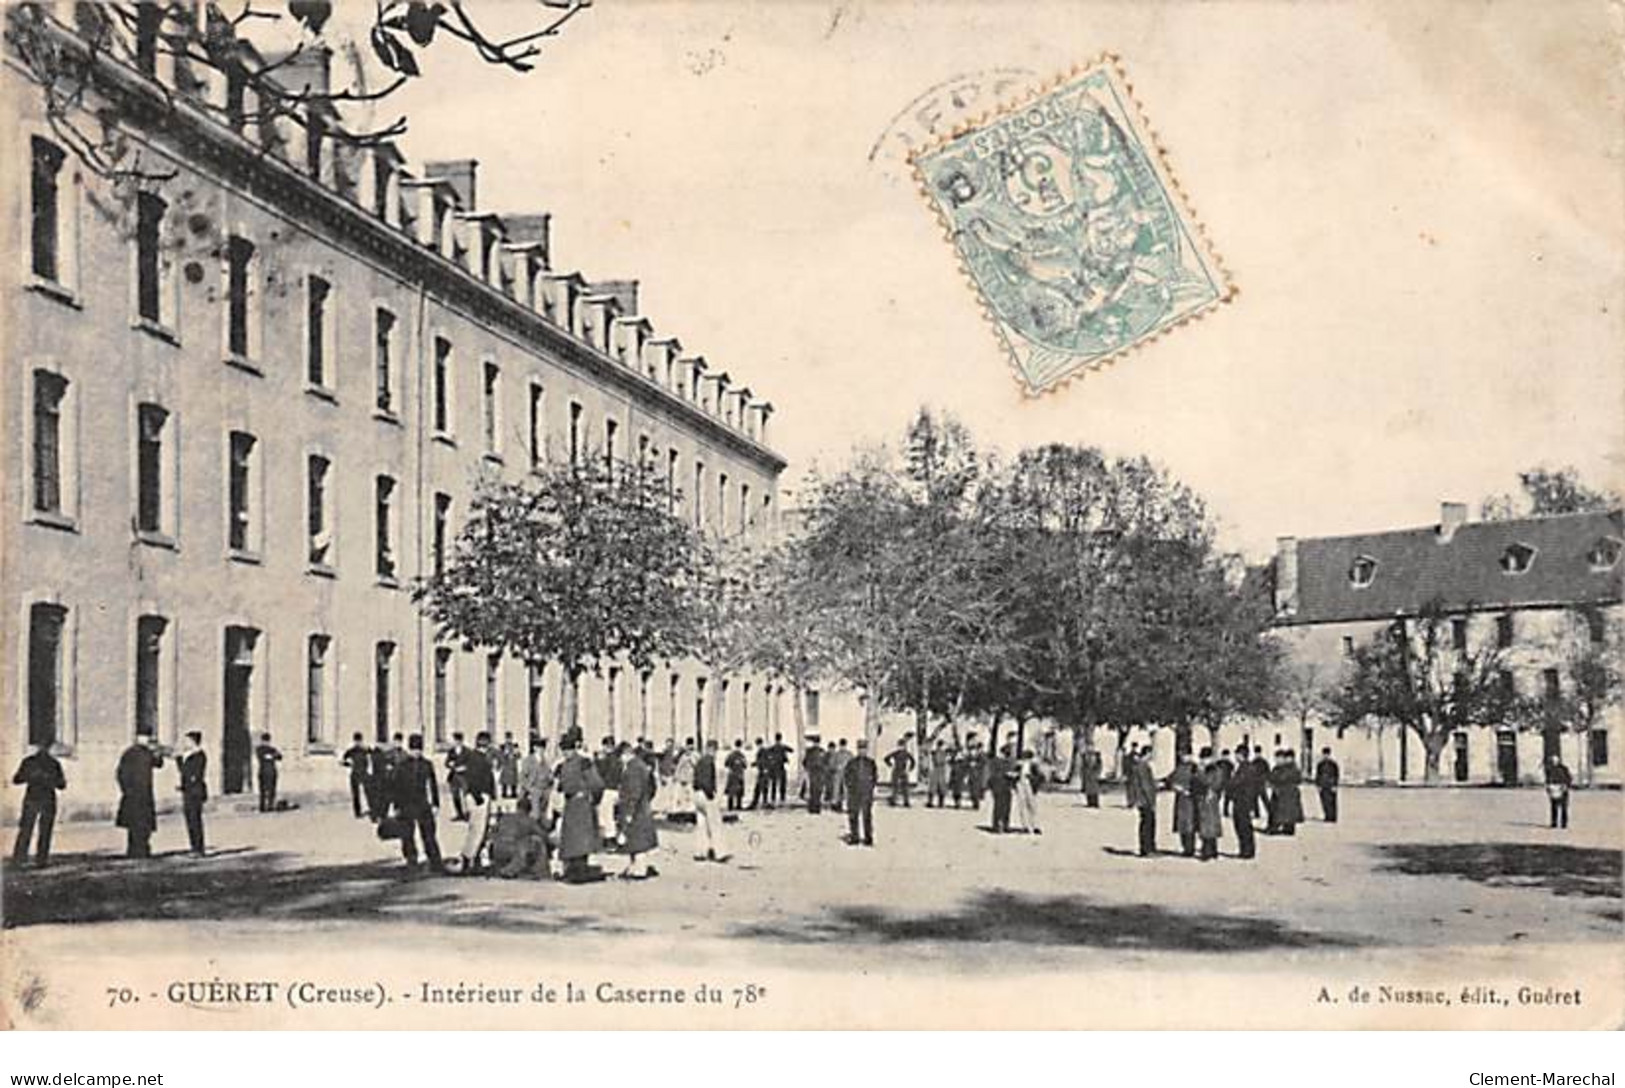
{"points": [[245, 406], [1541, 589]]}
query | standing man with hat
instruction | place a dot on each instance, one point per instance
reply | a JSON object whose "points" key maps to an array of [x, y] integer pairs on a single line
{"points": [[41, 775], [194, 768], [860, 777], [266, 758], [415, 796], [816, 765], [358, 759], [137, 808]]}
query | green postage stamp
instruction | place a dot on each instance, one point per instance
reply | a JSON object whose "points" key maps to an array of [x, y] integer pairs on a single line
{"points": [[1071, 227]]}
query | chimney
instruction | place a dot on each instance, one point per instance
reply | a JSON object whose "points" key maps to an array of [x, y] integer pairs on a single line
{"points": [[1286, 576], [459, 174], [1452, 516], [625, 292], [532, 230]]}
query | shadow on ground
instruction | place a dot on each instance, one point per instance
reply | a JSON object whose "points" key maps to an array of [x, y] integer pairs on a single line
{"points": [[1559, 869], [80, 888], [1062, 920]]}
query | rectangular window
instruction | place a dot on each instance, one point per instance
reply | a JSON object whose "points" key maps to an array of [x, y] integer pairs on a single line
{"points": [[1503, 630], [673, 697], [149, 655], [384, 527], [1599, 747], [1596, 627], [644, 719], [46, 200], [537, 427], [316, 700], [611, 430], [722, 502], [1348, 645], [493, 693], [672, 457], [643, 454], [1551, 684], [744, 507], [441, 707], [813, 706], [149, 262], [383, 359], [240, 534], [535, 691], [744, 708], [45, 626], [699, 708], [383, 682], [319, 519], [699, 494], [240, 298], [149, 468], [723, 707], [50, 392], [1458, 635], [317, 293], [490, 407], [441, 532], [442, 385], [575, 433], [612, 700], [1508, 683]]}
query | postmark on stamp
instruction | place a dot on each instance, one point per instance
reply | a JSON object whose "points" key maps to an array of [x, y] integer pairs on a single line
{"points": [[1071, 228]]}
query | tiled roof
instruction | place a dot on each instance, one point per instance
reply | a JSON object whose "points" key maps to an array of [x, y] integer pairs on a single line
{"points": [[1416, 566]]}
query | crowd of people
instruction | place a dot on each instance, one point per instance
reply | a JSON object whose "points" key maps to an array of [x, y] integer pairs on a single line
{"points": [[534, 813]]}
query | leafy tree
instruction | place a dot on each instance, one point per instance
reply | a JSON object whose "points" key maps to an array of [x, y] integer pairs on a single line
{"points": [[582, 565], [1410, 673], [1548, 491]]}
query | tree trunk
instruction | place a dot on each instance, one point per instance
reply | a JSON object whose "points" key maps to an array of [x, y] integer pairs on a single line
{"points": [[1382, 762], [1021, 736], [993, 732], [798, 714], [1433, 746], [871, 722]]}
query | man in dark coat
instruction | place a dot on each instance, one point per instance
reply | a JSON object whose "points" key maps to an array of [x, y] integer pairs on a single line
{"points": [[975, 771], [762, 796], [1244, 788], [414, 795], [386, 759], [860, 777], [507, 764], [638, 835], [1131, 756], [608, 763], [1143, 788], [839, 757], [456, 767], [194, 768], [1327, 776], [1227, 767], [779, 762], [1186, 784], [1210, 805], [480, 788], [1089, 772], [137, 810], [1001, 781], [737, 763], [1286, 804], [1265, 804], [816, 764], [901, 762], [40, 775], [358, 759], [580, 786], [266, 758], [707, 813]]}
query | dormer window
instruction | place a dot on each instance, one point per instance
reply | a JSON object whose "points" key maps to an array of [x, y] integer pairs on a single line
{"points": [[1362, 572], [1605, 553], [1517, 558]]}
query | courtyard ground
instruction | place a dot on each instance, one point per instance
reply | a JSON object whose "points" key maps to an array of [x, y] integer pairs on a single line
{"points": [[1413, 889]]}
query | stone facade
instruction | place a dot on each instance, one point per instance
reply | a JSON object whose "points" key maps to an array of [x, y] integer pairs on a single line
{"points": [[241, 405]]}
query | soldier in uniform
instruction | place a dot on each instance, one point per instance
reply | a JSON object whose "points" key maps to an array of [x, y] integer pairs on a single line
{"points": [[1089, 772], [194, 767], [1186, 785], [608, 762], [479, 781], [901, 762], [507, 763], [266, 758], [707, 813], [580, 786], [1286, 809], [1143, 790], [1001, 780], [779, 763], [414, 795], [1244, 787], [941, 770], [1327, 777], [815, 764], [40, 775], [859, 778], [536, 780], [638, 833], [736, 763], [456, 766], [839, 757], [975, 771], [1210, 805], [358, 760]]}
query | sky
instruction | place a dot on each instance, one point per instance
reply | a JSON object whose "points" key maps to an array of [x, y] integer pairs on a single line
{"points": [[1423, 208]]}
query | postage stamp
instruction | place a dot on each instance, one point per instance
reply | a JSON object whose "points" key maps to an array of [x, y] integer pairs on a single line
{"points": [[1071, 227]]}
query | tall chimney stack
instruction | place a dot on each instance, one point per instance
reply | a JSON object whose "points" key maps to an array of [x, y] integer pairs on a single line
{"points": [[1286, 576], [459, 173], [1452, 516]]}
